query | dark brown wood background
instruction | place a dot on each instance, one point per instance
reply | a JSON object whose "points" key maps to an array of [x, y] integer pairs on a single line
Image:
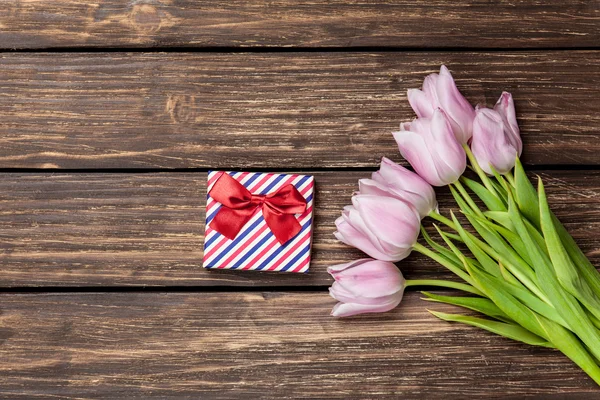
{"points": [[112, 111]]}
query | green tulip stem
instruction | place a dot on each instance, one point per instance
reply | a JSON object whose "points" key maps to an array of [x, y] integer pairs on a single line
{"points": [[440, 283], [467, 198], [440, 218], [418, 247], [484, 178], [510, 179]]}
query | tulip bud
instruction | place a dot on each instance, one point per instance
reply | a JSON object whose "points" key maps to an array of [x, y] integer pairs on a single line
{"points": [[430, 147], [365, 286], [493, 144], [383, 227], [440, 91], [457, 108], [396, 181], [506, 108]]}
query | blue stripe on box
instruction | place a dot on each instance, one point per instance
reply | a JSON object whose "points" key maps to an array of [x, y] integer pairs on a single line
{"points": [[237, 240], [280, 249], [301, 182], [297, 258], [212, 239], [272, 184], [249, 181]]}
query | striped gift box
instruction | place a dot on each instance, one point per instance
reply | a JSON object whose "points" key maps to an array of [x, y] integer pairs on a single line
{"points": [[255, 247]]}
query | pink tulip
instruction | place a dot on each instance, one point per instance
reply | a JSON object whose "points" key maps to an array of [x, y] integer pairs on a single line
{"points": [[396, 181], [506, 108], [431, 148], [383, 227], [365, 286], [440, 91], [493, 143]]}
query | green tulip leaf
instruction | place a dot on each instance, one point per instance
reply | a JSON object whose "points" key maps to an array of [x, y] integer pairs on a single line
{"points": [[501, 218], [523, 295], [571, 346], [488, 264], [444, 252], [451, 266], [460, 201], [565, 270], [528, 203], [584, 266], [564, 303], [508, 330], [512, 238], [479, 304], [506, 255], [525, 195], [501, 250], [453, 236], [490, 201]]}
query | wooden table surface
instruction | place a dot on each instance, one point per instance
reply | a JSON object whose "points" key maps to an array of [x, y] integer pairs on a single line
{"points": [[112, 111]]}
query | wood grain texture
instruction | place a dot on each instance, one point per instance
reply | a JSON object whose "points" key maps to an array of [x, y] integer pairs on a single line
{"points": [[147, 229], [270, 110], [268, 345], [341, 23]]}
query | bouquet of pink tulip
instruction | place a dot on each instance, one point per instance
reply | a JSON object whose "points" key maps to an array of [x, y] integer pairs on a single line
{"points": [[517, 263]]}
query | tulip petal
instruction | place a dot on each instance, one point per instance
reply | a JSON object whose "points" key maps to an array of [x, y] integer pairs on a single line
{"points": [[456, 106], [413, 148], [349, 309], [391, 220], [405, 126], [490, 144], [397, 177], [373, 245], [370, 279], [356, 220], [340, 267], [447, 152], [420, 103], [505, 106], [339, 293], [351, 236], [371, 186], [407, 186], [430, 89]]}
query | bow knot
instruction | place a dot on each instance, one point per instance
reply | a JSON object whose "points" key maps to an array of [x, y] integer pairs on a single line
{"points": [[239, 205]]}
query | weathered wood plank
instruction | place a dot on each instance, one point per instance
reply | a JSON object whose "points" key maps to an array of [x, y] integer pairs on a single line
{"points": [[340, 23], [147, 229], [260, 345], [311, 110]]}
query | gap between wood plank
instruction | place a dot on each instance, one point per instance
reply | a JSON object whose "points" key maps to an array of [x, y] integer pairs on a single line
{"points": [[530, 168], [176, 289], [191, 289], [291, 49]]}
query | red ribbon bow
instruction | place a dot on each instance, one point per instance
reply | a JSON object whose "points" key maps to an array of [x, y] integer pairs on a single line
{"points": [[239, 204]]}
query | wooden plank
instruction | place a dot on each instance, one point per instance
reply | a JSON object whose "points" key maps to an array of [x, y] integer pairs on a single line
{"points": [[311, 110], [337, 23], [147, 229], [260, 345]]}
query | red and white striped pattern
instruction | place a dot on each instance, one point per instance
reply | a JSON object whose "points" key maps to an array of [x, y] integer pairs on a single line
{"points": [[255, 247]]}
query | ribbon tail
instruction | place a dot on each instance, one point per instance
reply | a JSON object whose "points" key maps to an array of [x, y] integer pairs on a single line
{"points": [[229, 222], [283, 226]]}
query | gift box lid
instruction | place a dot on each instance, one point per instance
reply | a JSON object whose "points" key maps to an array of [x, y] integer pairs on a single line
{"points": [[255, 247]]}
